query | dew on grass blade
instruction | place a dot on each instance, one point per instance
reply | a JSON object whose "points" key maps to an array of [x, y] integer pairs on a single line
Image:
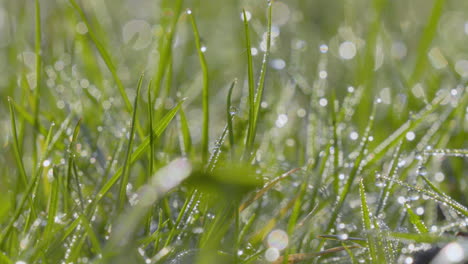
{"points": [[323, 74], [323, 48], [248, 16], [278, 64], [281, 120]]}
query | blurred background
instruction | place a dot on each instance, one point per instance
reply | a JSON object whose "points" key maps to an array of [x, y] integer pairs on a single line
{"points": [[402, 52]]}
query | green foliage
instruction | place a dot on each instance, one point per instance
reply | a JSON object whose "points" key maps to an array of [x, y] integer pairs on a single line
{"points": [[342, 138]]}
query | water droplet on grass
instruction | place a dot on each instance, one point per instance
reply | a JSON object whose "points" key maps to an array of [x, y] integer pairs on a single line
{"points": [[323, 48]]}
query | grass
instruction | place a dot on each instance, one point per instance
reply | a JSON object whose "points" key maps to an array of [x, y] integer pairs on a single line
{"points": [[260, 131]]}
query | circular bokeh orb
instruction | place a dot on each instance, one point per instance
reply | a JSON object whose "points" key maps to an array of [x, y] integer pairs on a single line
{"points": [[278, 239]]}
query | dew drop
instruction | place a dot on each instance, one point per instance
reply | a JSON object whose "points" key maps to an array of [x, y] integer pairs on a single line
{"points": [[323, 48], [248, 15], [323, 102], [323, 74], [281, 120], [347, 50], [410, 136]]}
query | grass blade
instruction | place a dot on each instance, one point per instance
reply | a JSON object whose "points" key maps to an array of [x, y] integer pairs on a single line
{"points": [[16, 146], [165, 50], [425, 42], [251, 83], [205, 89], [126, 165], [357, 167], [367, 222], [185, 133], [263, 71], [229, 117], [104, 54], [37, 91], [416, 221], [139, 151]]}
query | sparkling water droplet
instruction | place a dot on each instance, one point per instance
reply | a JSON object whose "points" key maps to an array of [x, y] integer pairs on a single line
{"points": [[323, 48]]}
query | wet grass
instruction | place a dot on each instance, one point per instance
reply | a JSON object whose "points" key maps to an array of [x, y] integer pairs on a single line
{"points": [[260, 132]]}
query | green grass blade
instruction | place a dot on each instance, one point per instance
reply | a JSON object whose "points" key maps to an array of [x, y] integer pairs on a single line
{"points": [[229, 117], [443, 198], [165, 51], [428, 35], [185, 132], [416, 221], [400, 133], [205, 89], [104, 54], [261, 81], [37, 91], [357, 167], [16, 147], [151, 136], [52, 206], [388, 187], [68, 200], [336, 150], [126, 165], [164, 122], [367, 222], [251, 83]]}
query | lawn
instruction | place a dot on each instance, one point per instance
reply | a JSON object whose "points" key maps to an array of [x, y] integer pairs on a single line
{"points": [[249, 131]]}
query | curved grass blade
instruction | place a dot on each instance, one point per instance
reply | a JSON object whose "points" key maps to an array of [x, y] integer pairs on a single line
{"points": [[267, 187], [416, 221], [104, 54], [126, 165], [205, 89]]}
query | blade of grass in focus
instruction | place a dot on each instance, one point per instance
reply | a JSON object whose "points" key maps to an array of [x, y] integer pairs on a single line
{"points": [[126, 166], [205, 90]]}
